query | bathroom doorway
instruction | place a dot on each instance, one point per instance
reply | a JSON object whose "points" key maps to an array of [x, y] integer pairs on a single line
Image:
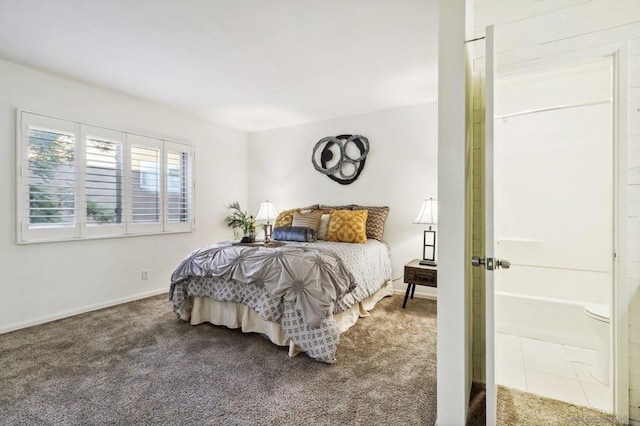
{"points": [[554, 220]]}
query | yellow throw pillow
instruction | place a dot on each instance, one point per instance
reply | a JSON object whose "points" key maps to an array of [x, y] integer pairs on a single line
{"points": [[285, 218], [348, 226]]}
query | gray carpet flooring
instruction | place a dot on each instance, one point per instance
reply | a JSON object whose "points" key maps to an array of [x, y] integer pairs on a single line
{"points": [[137, 364], [515, 408]]}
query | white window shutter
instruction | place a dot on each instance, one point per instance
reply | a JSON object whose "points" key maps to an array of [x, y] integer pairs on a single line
{"points": [[47, 200], [179, 187], [77, 181], [145, 178], [103, 181]]}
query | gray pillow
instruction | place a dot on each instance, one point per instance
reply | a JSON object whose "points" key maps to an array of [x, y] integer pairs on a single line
{"points": [[294, 233]]}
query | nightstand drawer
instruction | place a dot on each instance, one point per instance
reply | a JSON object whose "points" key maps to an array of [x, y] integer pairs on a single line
{"points": [[421, 276]]}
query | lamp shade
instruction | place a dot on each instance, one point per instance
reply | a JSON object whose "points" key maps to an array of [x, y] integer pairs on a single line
{"points": [[267, 212], [428, 212]]}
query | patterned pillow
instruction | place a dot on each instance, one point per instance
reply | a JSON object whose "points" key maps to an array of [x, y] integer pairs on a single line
{"points": [[348, 226], [311, 207], [346, 207], [309, 220], [375, 221], [285, 218]]}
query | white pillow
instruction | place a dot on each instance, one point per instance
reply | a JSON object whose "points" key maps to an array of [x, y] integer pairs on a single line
{"points": [[323, 229]]}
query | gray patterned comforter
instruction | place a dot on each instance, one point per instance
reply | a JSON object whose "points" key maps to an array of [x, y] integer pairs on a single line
{"points": [[299, 285]]}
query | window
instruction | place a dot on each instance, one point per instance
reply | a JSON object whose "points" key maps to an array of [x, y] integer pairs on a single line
{"points": [[52, 177], [103, 181], [79, 181], [179, 197], [145, 182]]}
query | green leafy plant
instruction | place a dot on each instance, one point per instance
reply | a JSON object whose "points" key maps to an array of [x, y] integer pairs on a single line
{"points": [[50, 199], [100, 214], [239, 218]]}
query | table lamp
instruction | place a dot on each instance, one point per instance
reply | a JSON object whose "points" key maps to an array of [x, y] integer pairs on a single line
{"points": [[268, 214], [428, 216]]}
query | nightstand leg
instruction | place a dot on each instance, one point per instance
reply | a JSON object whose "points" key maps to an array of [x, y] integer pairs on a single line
{"points": [[406, 295], [413, 291]]}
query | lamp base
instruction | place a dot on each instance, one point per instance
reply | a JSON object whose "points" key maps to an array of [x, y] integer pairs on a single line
{"points": [[429, 248], [267, 233]]}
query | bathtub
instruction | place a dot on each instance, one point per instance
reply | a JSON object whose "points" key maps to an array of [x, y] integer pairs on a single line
{"points": [[548, 303], [543, 318]]}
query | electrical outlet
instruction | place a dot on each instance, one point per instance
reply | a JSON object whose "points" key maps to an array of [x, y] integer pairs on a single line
{"points": [[145, 274]]}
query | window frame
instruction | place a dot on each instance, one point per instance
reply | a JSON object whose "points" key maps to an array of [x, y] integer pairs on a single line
{"points": [[81, 228]]}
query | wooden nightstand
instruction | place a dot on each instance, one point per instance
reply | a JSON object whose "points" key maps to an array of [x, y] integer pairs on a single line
{"points": [[417, 274]]}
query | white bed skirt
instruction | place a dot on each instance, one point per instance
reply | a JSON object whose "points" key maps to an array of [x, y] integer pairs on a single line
{"points": [[237, 315]]}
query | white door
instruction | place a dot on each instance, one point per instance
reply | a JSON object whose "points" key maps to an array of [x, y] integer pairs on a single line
{"points": [[490, 263], [592, 216]]}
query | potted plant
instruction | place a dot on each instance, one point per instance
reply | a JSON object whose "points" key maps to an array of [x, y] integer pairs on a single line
{"points": [[239, 219]]}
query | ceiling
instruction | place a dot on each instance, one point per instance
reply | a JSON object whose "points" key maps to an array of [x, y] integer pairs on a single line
{"points": [[249, 64]]}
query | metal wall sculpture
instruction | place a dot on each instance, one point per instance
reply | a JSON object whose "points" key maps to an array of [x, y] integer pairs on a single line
{"points": [[346, 169]]}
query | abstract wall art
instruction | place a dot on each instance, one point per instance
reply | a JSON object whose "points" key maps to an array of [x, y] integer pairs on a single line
{"points": [[341, 158]]}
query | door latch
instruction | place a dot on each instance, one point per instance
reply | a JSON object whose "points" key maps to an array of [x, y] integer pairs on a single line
{"points": [[490, 263], [477, 261]]}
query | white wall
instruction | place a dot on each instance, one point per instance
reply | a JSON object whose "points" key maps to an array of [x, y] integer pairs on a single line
{"points": [[45, 281], [553, 197], [454, 293], [400, 171]]}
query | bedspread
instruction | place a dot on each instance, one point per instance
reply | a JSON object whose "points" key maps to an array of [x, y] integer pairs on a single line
{"points": [[299, 285]]}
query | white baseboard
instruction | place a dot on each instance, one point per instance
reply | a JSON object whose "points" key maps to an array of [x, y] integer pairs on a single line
{"points": [[418, 294], [84, 309], [60, 315]]}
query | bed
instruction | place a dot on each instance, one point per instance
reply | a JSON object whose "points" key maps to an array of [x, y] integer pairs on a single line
{"points": [[299, 294]]}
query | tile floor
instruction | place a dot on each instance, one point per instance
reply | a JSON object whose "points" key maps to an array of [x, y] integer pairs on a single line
{"points": [[550, 369]]}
